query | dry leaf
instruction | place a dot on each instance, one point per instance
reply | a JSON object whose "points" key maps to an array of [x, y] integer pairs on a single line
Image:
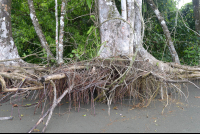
{"points": [[103, 109], [197, 97], [15, 105], [60, 104], [115, 108]]}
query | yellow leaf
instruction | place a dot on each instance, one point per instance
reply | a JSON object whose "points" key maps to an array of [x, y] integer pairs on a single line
{"points": [[36, 130], [115, 108]]}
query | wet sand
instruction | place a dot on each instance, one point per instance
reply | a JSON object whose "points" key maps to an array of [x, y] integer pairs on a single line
{"points": [[179, 116]]}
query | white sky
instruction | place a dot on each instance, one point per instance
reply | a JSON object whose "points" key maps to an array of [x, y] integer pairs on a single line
{"points": [[183, 2]]}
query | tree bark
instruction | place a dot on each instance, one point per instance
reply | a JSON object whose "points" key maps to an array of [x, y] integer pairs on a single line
{"points": [[56, 16], [196, 14], [61, 35], [39, 30], [8, 50], [137, 44], [124, 10], [172, 50], [116, 32]]}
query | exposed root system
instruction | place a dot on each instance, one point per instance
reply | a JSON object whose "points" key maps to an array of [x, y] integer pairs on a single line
{"points": [[106, 81]]}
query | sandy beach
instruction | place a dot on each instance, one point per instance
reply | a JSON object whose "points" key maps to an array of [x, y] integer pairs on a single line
{"points": [[179, 116]]}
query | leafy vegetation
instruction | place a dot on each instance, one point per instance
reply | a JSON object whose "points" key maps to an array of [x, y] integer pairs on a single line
{"points": [[82, 40], [185, 40]]}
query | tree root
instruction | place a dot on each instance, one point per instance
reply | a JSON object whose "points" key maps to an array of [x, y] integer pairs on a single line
{"points": [[111, 79]]}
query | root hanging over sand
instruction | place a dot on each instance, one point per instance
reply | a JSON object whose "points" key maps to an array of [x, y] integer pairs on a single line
{"points": [[85, 82]]}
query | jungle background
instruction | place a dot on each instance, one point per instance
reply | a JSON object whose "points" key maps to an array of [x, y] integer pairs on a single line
{"points": [[81, 21]]}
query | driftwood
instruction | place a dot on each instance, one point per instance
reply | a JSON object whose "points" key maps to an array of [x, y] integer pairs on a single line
{"points": [[5, 118]]}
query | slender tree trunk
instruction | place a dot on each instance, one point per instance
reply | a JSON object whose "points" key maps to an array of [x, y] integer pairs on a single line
{"points": [[61, 35], [196, 14], [39, 30], [172, 50], [8, 50], [138, 26], [124, 10], [56, 16]]}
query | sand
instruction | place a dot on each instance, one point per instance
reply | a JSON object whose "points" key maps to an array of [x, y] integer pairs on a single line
{"points": [[179, 116]]}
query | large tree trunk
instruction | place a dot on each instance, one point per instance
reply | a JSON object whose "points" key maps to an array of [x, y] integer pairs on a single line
{"points": [[172, 50], [8, 50], [196, 14], [116, 33], [120, 37]]}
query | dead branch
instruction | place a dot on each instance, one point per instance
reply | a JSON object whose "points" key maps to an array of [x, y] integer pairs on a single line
{"points": [[3, 83], [5, 118], [17, 76], [52, 107], [52, 77], [59, 76], [184, 67], [21, 89]]}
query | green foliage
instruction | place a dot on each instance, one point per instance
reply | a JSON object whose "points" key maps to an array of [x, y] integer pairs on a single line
{"points": [[24, 33], [76, 30], [82, 39], [187, 12], [89, 3], [185, 40], [192, 54]]}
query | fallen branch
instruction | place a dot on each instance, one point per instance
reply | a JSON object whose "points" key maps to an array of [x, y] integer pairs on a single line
{"points": [[17, 76], [17, 89], [52, 77], [60, 75], [52, 107], [6, 118]]}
